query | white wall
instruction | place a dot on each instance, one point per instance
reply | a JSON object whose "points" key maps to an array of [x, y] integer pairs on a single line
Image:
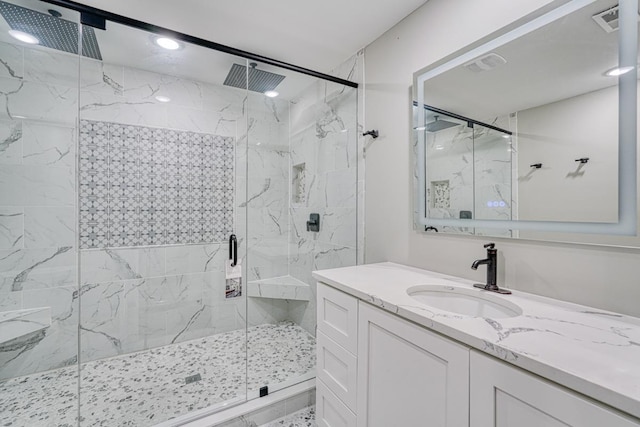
{"points": [[597, 276], [555, 135]]}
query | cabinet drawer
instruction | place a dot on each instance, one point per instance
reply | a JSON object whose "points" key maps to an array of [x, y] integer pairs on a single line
{"points": [[330, 412], [337, 368], [338, 317]]}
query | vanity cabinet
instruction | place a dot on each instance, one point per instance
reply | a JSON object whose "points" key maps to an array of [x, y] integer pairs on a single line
{"points": [[376, 369], [504, 396], [379, 370], [407, 375]]}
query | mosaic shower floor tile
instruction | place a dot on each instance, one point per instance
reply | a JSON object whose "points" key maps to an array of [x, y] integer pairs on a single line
{"points": [[145, 388], [306, 417]]}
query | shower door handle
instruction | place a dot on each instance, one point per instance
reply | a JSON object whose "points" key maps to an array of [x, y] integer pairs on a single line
{"points": [[233, 250]]}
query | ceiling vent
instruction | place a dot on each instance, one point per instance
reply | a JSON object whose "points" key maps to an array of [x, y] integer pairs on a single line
{"points": [[485, 63], [608, 19]]}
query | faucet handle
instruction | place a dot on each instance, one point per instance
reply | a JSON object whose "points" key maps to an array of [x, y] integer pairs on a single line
{"points": [[490, 246]]}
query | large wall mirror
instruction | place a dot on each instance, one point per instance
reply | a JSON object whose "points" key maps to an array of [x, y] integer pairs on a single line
{"points": [[532, 132]]}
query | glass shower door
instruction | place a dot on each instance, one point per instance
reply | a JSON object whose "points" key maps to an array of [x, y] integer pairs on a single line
{"points": [[301, 215], [160, 336]]}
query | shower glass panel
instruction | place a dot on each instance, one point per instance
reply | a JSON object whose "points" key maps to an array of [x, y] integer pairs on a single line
{"points": [[38, 284], [158, 191], [302, 162]]}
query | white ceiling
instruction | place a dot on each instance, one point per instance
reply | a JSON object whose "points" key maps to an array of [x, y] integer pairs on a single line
{"points": [[314, 34], [561, 60]]}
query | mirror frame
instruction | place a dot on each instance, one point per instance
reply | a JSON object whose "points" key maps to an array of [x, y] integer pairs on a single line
{"points": [[627, 127]]}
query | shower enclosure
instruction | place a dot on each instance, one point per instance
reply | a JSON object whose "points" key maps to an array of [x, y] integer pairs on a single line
{"points": [[129, 156]]}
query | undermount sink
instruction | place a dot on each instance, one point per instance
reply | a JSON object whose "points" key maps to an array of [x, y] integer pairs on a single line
{"points": [[468, 302]]}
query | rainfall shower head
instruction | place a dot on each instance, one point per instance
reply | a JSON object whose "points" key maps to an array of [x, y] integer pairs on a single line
{"points": [[437, 125], [50, 30], [259, 80]]}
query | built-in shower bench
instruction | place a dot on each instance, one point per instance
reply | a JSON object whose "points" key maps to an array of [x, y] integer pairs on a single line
{"points": [[284, 287]]}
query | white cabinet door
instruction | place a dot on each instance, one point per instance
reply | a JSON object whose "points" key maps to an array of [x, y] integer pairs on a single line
{"points": [[337, 316], [408, 376], [506, 396]]}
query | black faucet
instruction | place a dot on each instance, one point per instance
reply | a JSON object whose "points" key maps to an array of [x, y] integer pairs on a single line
{"points": [[492, 270]]}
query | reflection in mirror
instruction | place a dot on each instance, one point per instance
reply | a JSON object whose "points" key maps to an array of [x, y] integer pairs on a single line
{"points": [[522, 133]]}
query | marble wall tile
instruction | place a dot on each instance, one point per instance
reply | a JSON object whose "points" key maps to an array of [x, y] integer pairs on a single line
{"points": [[38, 101], [46, 227], [196, 258], [143, 85], [110, 107], [28, 269], [11, 227], [11, 141], [12, 64], [109, 265], [97, 76], [338, 188], [51, 67], [178, 117], [132, 315], [229, 103], [36, 185], [52, 348], [46, 144]]}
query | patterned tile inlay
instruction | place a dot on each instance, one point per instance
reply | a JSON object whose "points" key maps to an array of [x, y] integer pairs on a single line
{"points": [[149, 186], [305, 417], [145, 388]]}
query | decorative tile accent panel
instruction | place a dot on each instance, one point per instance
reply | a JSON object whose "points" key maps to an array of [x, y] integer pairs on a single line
{"points": [[150, 186]]}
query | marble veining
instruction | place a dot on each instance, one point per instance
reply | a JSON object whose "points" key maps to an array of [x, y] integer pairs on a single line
{"points": [[145, 388], [591, 351]]}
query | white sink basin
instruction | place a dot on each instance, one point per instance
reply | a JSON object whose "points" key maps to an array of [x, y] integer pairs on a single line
{"points": [[468, 302]]}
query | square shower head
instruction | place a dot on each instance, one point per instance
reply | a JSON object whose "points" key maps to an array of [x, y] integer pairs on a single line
{"points": [[52, 32], [259, 80]]}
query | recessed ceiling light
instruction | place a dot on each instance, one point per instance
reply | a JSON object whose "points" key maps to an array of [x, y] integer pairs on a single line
{"points": [[163, 98], [24, 37], [618, 71], [271, 93], [167, 43]]}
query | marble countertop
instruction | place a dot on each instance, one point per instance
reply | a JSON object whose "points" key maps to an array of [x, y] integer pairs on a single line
{"points": [[591, 351]]}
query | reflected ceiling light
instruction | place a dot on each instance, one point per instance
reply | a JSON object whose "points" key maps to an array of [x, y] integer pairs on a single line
{"points": [[505, 136], [439, 147], [167, 43], [24, 37], [618, 71], [271, 93], [163, 98], [420, 128]]}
